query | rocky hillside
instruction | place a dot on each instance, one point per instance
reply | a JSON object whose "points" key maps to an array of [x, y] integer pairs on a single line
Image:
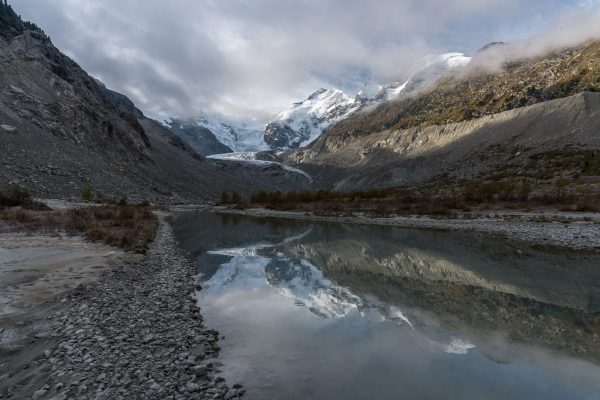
{"points": [[480, 91], [542, 142], [535, 119], [61, 131]]}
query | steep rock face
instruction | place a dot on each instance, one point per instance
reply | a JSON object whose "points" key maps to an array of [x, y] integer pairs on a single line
{"points": [[279, 136], [122, 102]]}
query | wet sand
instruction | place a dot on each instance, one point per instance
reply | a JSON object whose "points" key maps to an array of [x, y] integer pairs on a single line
{"points": [[36, 272]]}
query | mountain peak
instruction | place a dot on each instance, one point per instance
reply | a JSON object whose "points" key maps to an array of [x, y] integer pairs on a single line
{"points": [[316, 94], [305, 121]]}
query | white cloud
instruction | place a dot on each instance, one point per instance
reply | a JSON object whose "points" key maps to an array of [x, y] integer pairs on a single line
{"points": [[251, 58]]}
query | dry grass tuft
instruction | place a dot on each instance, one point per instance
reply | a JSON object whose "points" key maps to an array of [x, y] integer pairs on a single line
{"points": [[130, 227]]}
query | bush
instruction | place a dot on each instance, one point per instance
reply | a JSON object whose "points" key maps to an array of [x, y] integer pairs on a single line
{"points": [[128, 226], [225, 199], [235, 197], [15, 196]]}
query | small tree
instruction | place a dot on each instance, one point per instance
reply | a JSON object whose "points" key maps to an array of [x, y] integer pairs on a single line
{"points": [[87, 194], [561, 184], [224, 198], [525, 190], [235, 197]]}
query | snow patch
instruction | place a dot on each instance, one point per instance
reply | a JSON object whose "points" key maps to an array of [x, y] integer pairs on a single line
{"points": [[459, 346]]}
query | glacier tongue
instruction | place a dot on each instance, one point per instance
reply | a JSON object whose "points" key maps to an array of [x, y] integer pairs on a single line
{"points": [[238, 136]]}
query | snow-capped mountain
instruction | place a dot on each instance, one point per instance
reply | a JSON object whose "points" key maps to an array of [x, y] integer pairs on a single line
{"points": [[305, 121], [306, 286], [299, 282]]}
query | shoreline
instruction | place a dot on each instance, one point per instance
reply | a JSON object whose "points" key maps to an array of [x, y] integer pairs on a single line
{"points": [[560, 230], [135, 331]]}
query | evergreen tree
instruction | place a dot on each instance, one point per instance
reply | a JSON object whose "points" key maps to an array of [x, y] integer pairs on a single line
{"points": [[235, 197], [224, 197]]}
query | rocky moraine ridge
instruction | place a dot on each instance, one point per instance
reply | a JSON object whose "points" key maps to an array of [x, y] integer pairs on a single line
{"points": [[136, 333]]}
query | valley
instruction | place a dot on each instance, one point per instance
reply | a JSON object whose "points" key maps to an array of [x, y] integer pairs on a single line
{"points": [[422, 222]]}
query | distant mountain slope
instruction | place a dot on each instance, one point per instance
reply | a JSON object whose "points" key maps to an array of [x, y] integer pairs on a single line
{"points": [[425, 73], [210, 134], [60, 131], [549, 140], [461, 97], [198, 137], [532, 119]]}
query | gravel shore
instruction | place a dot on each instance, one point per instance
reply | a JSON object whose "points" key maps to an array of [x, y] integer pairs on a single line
{"points": [[568, 230], [135, 333]]}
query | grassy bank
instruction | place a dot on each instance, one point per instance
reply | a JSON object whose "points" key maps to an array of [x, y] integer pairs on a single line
{"points": [[128, 226], [509, 194]]}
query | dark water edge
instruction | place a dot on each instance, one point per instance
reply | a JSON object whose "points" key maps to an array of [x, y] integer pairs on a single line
{"points": [[323, 310]]}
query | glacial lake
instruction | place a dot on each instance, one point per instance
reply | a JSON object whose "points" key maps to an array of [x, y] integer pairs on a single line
{"points": [[334, 311]]}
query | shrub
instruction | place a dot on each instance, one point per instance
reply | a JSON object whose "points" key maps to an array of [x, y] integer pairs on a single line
{"points": [[128, 226], [15, 196], [225, 199], [235, 197]]}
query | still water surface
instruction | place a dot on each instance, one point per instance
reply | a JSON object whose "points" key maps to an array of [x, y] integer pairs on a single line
{"points": [[328, 311]]}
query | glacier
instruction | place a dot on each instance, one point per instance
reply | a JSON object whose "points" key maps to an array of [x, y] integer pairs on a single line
{"points": [[304, 121]]}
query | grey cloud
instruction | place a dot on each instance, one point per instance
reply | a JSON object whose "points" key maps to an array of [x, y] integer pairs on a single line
{"points": [[247, 58], [572, 30]]}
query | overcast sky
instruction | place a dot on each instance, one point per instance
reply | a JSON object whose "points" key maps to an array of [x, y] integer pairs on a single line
{"points": [[251, 58]]}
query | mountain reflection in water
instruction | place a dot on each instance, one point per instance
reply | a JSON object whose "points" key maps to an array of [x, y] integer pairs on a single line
{"points": [[348, 311]]}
